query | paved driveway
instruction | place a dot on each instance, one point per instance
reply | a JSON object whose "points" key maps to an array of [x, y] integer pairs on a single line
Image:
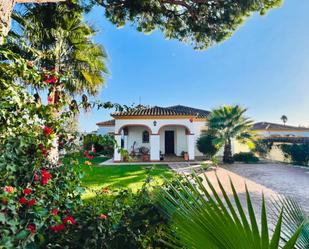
{"points": [[281, 178], [272, 179]]}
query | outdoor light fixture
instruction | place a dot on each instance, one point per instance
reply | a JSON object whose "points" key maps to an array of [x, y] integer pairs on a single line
{"points": [[154, 123]]}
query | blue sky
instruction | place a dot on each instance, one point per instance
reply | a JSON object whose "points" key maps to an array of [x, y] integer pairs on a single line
{"points": [[264, 66]]}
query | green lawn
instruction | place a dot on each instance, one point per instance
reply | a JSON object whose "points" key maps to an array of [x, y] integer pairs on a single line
{"points": [[120, 176]]}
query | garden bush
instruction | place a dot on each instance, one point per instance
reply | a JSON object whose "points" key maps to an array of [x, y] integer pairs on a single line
{"points": [[246, 157], [297, 153], [103, 144], [117, 220], [206, 146], [262, 147]]}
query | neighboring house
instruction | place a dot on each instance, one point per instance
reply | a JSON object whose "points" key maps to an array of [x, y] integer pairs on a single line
{"points": [[266, 129], [106, 127], [164, 130]]}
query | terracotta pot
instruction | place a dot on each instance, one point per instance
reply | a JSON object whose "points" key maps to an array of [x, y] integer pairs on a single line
{"points": [[186, 156], [146, 158]]}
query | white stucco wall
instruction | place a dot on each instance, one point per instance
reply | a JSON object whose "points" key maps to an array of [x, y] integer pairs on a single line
{"points": [[135, 135], [180, 136]]}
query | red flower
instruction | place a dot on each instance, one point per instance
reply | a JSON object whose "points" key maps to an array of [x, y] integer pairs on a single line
{"points": [[50, 99], [54, 211], [46, 176], [69, 220], [27, 191], [50, 80], [8, 189], [31, 202], [54, 69], [44, 151], [47, 131], [22, 200], [86, 154], [57, 228], [103, 216], [31, 228], [94, 151]]}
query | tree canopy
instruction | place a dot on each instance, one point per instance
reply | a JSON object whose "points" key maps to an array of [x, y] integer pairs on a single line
{"points": [[201, 23]]}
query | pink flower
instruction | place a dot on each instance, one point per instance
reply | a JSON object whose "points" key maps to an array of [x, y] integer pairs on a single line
{"points": [[57, 228], [36, 177], [103, 216], [69, 220], [27, 191], [8, 189]]}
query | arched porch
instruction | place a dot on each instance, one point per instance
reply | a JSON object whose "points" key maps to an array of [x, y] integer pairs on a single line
{"points": [[168, 141]]}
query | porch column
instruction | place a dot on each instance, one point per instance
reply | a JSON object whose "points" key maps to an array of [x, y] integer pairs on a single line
{"points": [[125, 138], [155, 147], [190, 142], [125, 142], [117, 156]]}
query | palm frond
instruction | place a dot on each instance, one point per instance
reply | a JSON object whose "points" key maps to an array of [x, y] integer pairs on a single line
{"points": [[293, 217], [202, 217]]}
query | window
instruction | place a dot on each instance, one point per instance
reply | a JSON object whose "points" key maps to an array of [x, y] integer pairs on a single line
{"points": [[145, 137]]}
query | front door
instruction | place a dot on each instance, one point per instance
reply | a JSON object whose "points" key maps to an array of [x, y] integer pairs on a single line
{"points": [[169, 142]]}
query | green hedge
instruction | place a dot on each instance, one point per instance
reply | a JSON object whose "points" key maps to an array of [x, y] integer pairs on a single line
{"points": [[247, 157]]}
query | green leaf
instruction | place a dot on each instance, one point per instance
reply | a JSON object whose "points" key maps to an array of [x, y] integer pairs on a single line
{"points": [[22, 234]]}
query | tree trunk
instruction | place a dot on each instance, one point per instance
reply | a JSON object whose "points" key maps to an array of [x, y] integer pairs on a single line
{"points": [[6, 8], [227, 154]]}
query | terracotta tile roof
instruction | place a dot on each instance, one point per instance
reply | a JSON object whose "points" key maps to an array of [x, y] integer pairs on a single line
{"points": [[193, 111], [106, 123], [164, 111], [278, 127]]}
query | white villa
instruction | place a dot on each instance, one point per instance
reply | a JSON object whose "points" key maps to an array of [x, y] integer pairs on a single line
{"points": [[168, 132], [163, 130]]}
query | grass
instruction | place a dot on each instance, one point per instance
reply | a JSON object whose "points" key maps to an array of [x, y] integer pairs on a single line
{"points": [[117, 177]]}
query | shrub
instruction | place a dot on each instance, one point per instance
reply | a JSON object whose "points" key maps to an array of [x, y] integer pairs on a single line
{"points": [[247, 157], [205, 145], [262, 147], [297, 153], [103, 144], [117, 220]]}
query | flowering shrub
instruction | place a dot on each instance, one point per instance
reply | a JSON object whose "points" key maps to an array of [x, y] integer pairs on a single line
{"points": [[38, 196]]}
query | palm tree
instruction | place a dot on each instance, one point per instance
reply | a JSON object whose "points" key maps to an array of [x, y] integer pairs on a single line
{"points": [[227, 123], [62, 40], [284, 119]]}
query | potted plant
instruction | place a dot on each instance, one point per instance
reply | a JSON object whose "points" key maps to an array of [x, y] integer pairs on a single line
{"points": [[185, 155], [145, 153]]}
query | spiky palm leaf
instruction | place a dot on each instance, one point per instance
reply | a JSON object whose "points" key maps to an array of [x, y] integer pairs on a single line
{"points": [[201, 219], [293, 217]]}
